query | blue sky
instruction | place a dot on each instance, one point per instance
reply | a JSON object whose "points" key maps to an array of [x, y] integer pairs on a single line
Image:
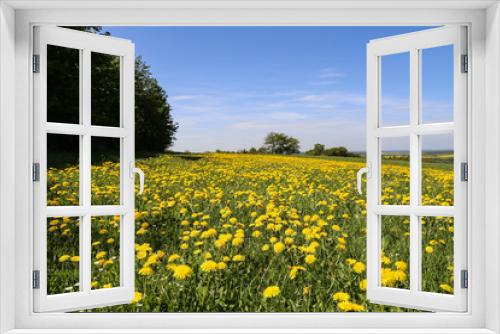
{"points": [[230, 86]]}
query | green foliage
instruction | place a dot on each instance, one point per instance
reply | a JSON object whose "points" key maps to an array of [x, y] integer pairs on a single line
{"points": [[280, 143], [340, 151], [154, 127], [319, 149]]}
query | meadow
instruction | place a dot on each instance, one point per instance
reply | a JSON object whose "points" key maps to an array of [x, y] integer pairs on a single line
{"points": [[251, 233]]}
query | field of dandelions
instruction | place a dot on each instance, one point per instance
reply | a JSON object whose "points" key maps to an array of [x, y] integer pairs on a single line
{"points": [[250, 233]]}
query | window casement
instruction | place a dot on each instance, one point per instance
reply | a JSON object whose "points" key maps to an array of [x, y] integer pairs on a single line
{"points": [[417, 212], [82, 130]]}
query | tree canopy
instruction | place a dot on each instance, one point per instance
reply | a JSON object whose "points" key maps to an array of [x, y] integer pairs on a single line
{"points": [[280, 143], [154, 126], [339, 151]]}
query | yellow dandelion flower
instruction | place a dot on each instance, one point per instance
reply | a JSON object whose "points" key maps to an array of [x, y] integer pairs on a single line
{"points": [[208, 266], [238, 258], [271, 292], [310, 259], [341, 296], [362, 285], [137, 297], [446, 288], [64, 258], [181, 272], [359, 267], [347, 306], [294, 270], [279, 247], [401, 265], [145, 271]]}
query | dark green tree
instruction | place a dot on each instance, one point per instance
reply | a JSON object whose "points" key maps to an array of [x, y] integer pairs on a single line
{"points": [[339, 151], [319, 149], [154, 127], [280, 143]]}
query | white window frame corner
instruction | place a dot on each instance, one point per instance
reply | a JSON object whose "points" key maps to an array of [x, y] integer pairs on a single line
{"points": [[16, 21]]}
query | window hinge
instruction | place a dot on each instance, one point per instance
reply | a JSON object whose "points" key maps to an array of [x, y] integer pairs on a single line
{"points": [[465, 64], [36, 279], [36, 63], [464, 279], [464, 171], [36, 172]]}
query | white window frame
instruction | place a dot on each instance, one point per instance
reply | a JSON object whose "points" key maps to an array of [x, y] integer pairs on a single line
{"points": [[17, 18], [85, 43], [413, 44]]}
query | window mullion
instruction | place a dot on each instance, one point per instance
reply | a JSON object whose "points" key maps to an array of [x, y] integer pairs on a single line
{"points": [[415, 263], [86, 181]]}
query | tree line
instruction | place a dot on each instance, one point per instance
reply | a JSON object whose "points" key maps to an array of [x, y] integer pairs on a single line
{"points": [[280, 143]]}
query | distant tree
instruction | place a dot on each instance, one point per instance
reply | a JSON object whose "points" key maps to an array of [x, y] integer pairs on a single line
{"points": [[252, 150], [339, 151], [319, 149], [262, 150], [280, 143]]}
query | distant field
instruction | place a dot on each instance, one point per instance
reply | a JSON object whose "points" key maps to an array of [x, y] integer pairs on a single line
{"points": [[442, 160]]}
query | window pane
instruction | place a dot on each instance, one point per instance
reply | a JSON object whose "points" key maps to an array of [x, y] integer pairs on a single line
{"points": [[395, 89], [63, 172], [105, 89], [395, 255], [63, 84], [105, 252], [105, 171], [437, 254], [437, 170], [437, 84], [395, 171], [63, 255]]}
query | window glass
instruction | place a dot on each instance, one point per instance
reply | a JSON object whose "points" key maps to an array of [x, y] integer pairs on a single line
{"points": [[437, 84], [63, 170], [105, 76], [437, 254], [395, 89], [395, 252], [63, 255], [395, 171], [105, 252], [437, 170], [105, 171], [63, 84]]}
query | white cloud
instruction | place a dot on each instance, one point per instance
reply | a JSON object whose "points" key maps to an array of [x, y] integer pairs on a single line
{"points": [[330, 72], [183, 97]]}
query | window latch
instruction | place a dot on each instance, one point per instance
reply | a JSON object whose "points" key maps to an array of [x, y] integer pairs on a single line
{"points": [[365, 170], [133, 171]]}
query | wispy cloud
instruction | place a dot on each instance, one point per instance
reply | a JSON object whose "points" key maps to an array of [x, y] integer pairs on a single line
{"points": [[327, 76], [329, 73], [184, 97]]}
